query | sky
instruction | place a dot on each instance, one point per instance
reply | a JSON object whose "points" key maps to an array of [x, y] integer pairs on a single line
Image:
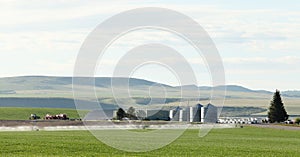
{"points": [[258, 41]]}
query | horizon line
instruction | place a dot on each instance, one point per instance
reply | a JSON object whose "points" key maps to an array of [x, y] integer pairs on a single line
{"points": [[66, 76]]}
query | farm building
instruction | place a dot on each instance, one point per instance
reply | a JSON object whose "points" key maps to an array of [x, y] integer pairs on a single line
{"points": [[197, 113]]}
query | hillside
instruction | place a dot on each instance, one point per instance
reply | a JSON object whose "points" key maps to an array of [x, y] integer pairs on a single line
{"points": [[57, 92], [45, 86]]}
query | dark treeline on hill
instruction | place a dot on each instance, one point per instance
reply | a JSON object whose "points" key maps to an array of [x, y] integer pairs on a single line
{"points": [[37, 102], [47, 103]]}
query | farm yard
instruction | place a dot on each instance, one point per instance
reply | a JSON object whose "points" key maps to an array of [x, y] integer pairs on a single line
{"points": [[247, 141], [22, 113]]}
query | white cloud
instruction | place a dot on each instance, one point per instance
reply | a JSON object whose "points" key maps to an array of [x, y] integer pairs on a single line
{"points": [[292, 60], [41, 41], [51, 32]]}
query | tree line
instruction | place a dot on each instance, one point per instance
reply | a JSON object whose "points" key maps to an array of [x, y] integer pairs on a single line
{"points": [[131, 114]]}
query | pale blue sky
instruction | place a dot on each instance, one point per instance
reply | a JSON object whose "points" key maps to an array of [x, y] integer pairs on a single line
{"points": [[258, 40]]}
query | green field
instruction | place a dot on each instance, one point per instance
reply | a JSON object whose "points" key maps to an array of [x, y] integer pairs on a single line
{"points": [[248, 141], [15, 113]]}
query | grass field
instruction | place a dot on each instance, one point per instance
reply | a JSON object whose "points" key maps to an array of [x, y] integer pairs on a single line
{"points": [[15, 113], [248, 141]]}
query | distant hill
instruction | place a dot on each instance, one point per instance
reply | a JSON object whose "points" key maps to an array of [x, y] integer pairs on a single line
{"points": [[291, 93], [50, 82], [9, 84], [57, 92], [235, 88], [49, 86]]}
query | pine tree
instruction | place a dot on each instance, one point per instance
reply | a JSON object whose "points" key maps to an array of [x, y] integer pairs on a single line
{"points": [[277, 112]]}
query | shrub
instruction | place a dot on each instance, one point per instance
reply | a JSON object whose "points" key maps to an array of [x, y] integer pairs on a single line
{"points": [[297, 120]]}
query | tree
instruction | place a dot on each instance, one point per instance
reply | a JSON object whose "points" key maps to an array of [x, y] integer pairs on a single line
{"points": [[297, 120], [277, 112], [131, 113], [121, 114]]}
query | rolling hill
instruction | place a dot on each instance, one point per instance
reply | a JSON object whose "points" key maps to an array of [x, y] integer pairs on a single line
{"points": [[45, 86], [57, 92]]}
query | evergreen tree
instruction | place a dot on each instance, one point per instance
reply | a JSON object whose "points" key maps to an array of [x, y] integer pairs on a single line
{"points": [[277, 112], [121, 114]]}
